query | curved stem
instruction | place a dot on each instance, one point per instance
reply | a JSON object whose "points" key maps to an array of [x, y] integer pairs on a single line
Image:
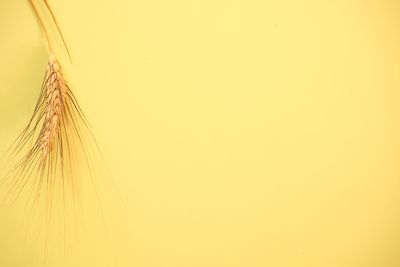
{"points": [[58, 28], [42, 23]]}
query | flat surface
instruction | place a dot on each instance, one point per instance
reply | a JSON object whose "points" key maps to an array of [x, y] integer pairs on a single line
{"points": [[239, 133]]}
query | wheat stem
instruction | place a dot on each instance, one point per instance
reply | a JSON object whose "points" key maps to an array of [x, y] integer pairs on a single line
{"points": [[58, 27], [42, 24]]}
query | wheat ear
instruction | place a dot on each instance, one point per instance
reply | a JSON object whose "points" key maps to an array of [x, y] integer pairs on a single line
{"points": [[54, 132], [55, 126]]}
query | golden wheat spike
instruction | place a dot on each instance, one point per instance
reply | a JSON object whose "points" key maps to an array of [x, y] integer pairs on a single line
{"points": [[46, 146], [54, 127]]}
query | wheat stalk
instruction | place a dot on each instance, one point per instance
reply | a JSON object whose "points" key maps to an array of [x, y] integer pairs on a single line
{"points": [[57, 137], [49, 141], [53, 125]]}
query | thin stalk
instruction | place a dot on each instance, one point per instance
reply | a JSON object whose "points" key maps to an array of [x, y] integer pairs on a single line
{"points": [[42, 23], [58, 27]]}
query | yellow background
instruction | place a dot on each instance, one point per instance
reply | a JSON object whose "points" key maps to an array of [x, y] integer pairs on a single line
{"points": [[241, 133]]}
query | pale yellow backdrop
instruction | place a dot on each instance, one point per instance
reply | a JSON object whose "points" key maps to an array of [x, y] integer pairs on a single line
{"points": [[241, 133]]}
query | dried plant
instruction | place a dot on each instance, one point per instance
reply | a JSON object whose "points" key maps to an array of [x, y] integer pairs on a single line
{"points": [[44, 152], [46, 158], [53, 129]]}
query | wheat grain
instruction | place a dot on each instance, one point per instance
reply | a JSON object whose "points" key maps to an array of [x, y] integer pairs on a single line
{"points": [[54, 94]]}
